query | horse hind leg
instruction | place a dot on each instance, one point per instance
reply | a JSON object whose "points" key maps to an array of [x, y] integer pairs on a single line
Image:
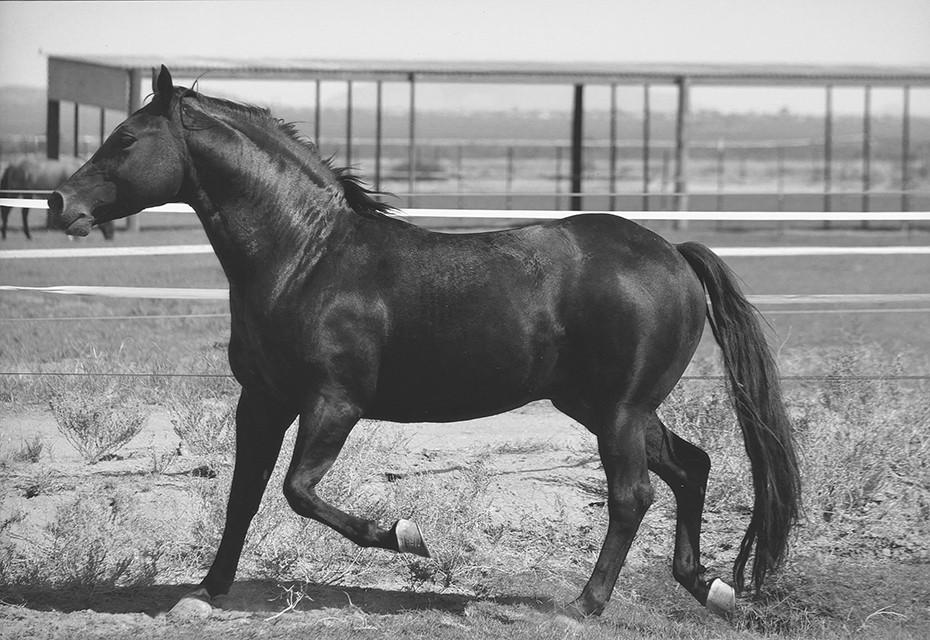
{"points": [[4, 218], [622, 448], [26, 224], [322, 432], [685, 467]]}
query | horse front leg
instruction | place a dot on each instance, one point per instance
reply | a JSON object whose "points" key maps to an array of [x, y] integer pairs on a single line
{"points": [[323, 430], [260, 427]]}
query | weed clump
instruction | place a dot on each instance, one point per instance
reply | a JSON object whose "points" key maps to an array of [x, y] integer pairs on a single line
{"points": [[97, 541], [97, 418]]}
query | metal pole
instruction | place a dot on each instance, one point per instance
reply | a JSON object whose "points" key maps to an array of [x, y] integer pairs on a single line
{"points": [[613, 147], [646, 143], [906, 149], [349, 124], [558, 178], [866, 150], [378, 106], [412, 148], [577, 146], [681, 147], [134, 223], [316, 114], [52, 129], [721, 159], [77, 133], [828, 154], [103, 124], [459, 170], [509, 178], [781, 177]]}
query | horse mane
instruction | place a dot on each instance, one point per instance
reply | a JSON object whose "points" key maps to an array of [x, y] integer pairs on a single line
{"points": [[360, 199]]}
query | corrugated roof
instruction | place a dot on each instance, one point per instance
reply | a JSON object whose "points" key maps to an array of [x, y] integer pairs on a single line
{"points": [[514, 72]]}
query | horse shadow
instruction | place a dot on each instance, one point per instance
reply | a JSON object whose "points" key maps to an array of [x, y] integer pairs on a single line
{"points": [[267, 598]]}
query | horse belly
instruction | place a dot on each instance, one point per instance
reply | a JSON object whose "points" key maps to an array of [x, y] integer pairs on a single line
{"points": [[475, 370]]}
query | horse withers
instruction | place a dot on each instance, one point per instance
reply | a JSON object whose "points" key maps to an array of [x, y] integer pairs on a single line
{"points": [[342, 311], [32, 173]]}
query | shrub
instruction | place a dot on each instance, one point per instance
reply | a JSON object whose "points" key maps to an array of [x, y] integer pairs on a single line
{"points": [[206, 426], [97, 417], [97, 541], [30, 451]]}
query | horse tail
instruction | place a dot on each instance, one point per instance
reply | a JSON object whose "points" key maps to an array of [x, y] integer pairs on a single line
{"points": [[756, 394]]}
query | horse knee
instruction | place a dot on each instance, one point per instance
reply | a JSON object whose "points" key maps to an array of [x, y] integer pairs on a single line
{"points": [[631, 504]]}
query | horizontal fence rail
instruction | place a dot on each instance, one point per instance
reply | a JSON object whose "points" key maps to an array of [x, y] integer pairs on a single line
{"points": [[202, 249], [548, 214], [720, 378], [183, 293]]}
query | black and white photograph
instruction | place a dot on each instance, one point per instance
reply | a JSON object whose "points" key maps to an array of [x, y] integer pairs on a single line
{"points": [[463, 320]]}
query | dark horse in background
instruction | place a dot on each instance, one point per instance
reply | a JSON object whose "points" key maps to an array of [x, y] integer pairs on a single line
{"points": [[32, 173], [341, 311]]}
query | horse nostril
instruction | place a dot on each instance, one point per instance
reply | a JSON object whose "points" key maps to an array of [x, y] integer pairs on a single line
{"points": [[55, 204]]}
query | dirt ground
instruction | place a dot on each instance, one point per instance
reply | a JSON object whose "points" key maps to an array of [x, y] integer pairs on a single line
{"points": [[540, 462]]}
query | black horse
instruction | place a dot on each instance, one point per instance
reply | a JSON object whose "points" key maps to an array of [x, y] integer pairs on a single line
{"points": [[38, 174], [340, 311]]}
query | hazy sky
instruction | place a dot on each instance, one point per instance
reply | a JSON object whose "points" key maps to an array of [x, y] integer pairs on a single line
{"points": [[789, 31]]}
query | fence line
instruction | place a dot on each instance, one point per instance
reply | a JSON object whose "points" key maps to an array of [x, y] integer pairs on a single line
{"points": [[548, 214], [206, 249], [178, 293], [130, 374]]}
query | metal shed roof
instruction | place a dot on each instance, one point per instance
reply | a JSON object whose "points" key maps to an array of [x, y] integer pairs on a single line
{"points": [[510, 72]]}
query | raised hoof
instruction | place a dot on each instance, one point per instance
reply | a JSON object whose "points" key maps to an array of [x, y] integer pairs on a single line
{"points": [[721, 599], [193, 606], [409, 538]]}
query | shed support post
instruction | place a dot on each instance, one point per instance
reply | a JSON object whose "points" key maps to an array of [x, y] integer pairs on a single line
{"points": [[681, 148], [906, 149], [133, 223], [77, 130], [646, 143], [613, 147], [577, 146], [866, 151], [349, 123], [53, 129], [317, 116], [378, 108], [412, 146], [828, 154]]}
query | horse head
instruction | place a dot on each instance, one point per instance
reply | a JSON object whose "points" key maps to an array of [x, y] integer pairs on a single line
{"points": [[141, 164]]}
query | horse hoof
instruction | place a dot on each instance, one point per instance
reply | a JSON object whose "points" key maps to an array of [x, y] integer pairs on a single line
{"points": [[193, 606], [409, 538], [721, 599]]}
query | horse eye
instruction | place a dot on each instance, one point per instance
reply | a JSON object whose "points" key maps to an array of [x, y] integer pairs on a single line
{"points": [[126, 141]]}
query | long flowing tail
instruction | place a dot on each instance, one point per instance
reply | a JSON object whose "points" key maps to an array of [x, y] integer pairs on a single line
{"points": [[756, 394]]}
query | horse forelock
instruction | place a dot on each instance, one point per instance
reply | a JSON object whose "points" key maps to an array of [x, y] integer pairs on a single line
{"points": [[358, 197]]}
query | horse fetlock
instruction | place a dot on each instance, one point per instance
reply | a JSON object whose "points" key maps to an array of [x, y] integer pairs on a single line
{"points": [[410, 539]]}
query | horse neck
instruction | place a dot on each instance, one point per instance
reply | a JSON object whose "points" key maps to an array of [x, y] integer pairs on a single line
{"points": [[264, 209]]}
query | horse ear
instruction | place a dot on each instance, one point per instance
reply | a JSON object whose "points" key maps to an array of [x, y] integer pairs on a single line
{"points": [[162, 85]]}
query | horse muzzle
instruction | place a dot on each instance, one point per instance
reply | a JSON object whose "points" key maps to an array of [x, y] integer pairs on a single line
{"points": [[69, 215]]}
